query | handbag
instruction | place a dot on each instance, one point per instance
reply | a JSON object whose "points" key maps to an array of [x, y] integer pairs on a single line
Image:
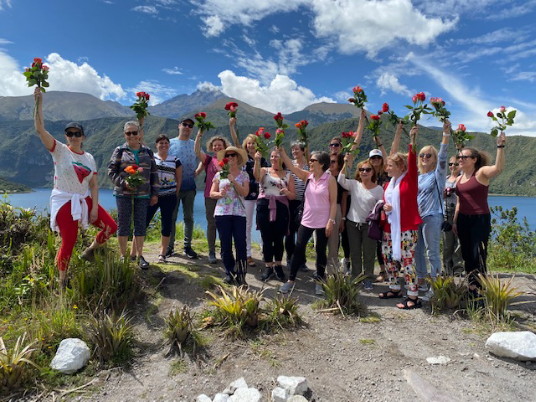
{"points": [[374, 221], [299, 210]]}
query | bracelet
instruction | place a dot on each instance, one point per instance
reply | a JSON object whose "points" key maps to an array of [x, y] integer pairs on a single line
{"points": [[331, 220], [500, 146]]}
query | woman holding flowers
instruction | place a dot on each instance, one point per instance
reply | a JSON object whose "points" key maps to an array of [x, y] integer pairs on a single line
{"points": [[229, 187], [320, 208], [273, 217], [211, 166], [169, 178], [130, 161], [250, 201], [472, 220], [75, 197], [432, 172], [452, 257], [400, 228]]}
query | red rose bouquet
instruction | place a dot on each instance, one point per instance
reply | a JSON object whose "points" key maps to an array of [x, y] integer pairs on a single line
{"points": [[202, 123], [502, 119], [141, 105], [280, 132], [261, 141], [360, 97], [347, 139], [231, 108], [37, 74], [134, 178], [302, 135], [460, 136], [224, 166], [440, 111], [375, 123], [419, 108]]}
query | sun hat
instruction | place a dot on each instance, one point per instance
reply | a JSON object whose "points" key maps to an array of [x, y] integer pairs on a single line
{"points": [[74, 125], [375, 152], [242, 155]]}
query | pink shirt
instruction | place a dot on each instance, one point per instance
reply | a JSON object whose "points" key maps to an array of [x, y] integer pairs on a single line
{"points": [[211, 168], [317, 205]]}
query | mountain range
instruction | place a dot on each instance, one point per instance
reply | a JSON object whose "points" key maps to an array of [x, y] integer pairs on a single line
{"points": [[24, 160]]}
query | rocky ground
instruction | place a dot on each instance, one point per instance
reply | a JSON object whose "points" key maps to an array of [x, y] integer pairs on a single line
{"points": [[343, 359]]}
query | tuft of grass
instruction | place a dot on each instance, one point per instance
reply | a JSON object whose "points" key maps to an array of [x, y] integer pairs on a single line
{"points": [[366, 341], [342, 294], [210, 282], [16, 364], [497, 297], [282, 311], [448, 294], [371, 318], [180, 330], [177, 367]]}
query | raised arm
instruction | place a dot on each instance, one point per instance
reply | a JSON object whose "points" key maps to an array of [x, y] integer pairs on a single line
{"points": [[441, 168], [300, 173], [257, 169], [490, 172], [39, 122], [234, 135], [396, 140], [332, 186], [341, 179], [197, 147], [359, 133]]}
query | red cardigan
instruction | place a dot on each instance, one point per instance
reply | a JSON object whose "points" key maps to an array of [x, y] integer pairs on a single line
{"points": [[409, 210]]}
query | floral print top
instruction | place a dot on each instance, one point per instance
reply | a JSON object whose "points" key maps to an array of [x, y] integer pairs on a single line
{"points": [[232, 203]]}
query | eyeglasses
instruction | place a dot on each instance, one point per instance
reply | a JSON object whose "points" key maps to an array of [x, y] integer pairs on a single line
{"points": [[365, 170], [76, 134], [233, 155], [464, 157], [313, 160], [453, 164], [129, 133], [335, 145], [187, 125], [376, 157], [425, 155]]}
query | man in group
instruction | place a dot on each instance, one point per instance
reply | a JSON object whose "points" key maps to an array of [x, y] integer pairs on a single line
{"points": [[182, 147]]}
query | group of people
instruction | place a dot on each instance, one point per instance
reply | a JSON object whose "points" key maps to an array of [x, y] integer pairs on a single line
{"points": [[289, 200]]}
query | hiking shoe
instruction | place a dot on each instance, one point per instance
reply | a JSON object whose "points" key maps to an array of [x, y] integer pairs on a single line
{"points": [[280, 275], [319, 290], [169, 252], [133, 258], [367, 285], [268, 273], [142, 263], [212, 258], [286, 287], [190, 253]]}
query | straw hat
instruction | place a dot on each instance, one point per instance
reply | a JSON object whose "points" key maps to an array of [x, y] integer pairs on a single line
{"points": [[242, 155]]}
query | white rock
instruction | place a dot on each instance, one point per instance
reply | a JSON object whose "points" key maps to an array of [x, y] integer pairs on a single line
{"points": [[438, 360], [293, 385], [203, 398], [297, 398], [240, 383], [246, 395], [519, 345], [220, 397], [279, 394], [71, 356]]}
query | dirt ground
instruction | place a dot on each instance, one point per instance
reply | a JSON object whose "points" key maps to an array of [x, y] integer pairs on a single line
{"points": [[342, 359]]}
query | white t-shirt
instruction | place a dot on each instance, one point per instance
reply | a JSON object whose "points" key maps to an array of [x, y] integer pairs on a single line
{"points": [[72, 171], [363, 200]]}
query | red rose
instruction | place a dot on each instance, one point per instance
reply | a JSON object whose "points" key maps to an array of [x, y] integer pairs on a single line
{"points": [[414, 98], [38, 61], [147, 96], [267, 135], [502, 109], [201, 115], [259, 132], [351, 100], [278, 116], [304, 123], [138, 94], [421, 96], [461, 127], [231, 105], [357, 89], [45, 68], [374, 117], [385, 107], [490, 114]]}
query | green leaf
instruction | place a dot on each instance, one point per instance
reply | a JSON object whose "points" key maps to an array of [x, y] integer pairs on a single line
{"points": [[494, 132], [408, 106], [45, 84], [499, 114], [512, 114]]}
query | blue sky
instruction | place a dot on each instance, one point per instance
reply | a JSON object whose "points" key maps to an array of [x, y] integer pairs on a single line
{"points": [[282, 55]]}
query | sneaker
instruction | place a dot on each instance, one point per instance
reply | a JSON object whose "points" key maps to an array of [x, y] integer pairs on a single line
{"points": [[212, 258], [162, 259], [133, 258], [143, 264], [367, 285], [319, 290], [428, 295], [423, 288], [268, 273], [169, 252], [286, 287], [190, 253], [280, 275], [228, 280], [304, 268]]}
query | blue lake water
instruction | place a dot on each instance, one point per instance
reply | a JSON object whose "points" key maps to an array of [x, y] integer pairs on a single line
{"points": [[39, 200]]}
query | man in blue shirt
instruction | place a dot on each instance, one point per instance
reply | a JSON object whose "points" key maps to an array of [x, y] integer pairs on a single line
{"points": [[182, 147]]}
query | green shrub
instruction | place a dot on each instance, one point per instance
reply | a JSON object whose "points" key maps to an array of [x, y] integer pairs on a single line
{"points": [[342, 294], [180, 330], [16, 365], [447, 293], [282, 311], [497, 296]]}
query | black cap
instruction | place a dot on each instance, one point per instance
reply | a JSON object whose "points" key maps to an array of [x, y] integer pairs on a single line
{"points": [[74, 125], [188, 119]]}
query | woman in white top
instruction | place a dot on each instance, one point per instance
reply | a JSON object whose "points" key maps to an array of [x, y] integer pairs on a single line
{"points": [[75, 197], [365, 194]]}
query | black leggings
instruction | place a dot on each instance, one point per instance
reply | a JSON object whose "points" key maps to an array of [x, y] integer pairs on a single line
{"points": [[272, 233], [290, 239], [298, 259], [473, 232]]}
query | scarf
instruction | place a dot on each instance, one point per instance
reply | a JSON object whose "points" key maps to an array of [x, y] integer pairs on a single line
{"points": [[392, 196]]}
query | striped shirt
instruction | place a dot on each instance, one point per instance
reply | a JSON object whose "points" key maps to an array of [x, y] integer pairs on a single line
{"points": [[166, 174]]}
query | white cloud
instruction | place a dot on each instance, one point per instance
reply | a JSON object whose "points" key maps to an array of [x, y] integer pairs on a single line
{"points": [[146, 9], [12, 82], [208, 87], [389, 82], [172, 71], [524, 76], [213, 26], [282, 94], [5, 4], [158, 92], [455, 7]]}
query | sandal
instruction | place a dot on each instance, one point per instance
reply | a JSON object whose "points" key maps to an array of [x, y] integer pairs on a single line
{"points": [[381, 277], [389, 294], [417, 303]]}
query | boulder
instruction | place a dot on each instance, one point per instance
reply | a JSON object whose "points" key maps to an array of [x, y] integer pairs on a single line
{"points": [[71, 356], [246, 395], [203, 398], [279, 394], [236, 384], [293, 385], [220, 397], [297, 398], [519, 345], [438, 359]]}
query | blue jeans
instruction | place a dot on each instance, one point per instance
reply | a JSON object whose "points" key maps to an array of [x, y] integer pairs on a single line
{"points": [[232, 227], [429, 237], [187, 197]]}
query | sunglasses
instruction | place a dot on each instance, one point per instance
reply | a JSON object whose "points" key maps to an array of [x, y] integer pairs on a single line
{"points": [[332, 162], [464, 157], [234, 155], [313, 160], [129, 133], [187, 125], [76, 134], [365, 170], [335, 145], [453, 164], [425, 155], [376, 157]]}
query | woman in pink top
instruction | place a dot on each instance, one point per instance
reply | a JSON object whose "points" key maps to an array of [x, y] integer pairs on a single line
{"points": [[472, 220], [320, 208], [211, 164]]}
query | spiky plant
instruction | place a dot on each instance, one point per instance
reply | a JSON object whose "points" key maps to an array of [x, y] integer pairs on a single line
{"points": [[497, 296], [15, 363], [283, 311], [180, 329], [342, 294], [447, 293], [112, 336]]}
